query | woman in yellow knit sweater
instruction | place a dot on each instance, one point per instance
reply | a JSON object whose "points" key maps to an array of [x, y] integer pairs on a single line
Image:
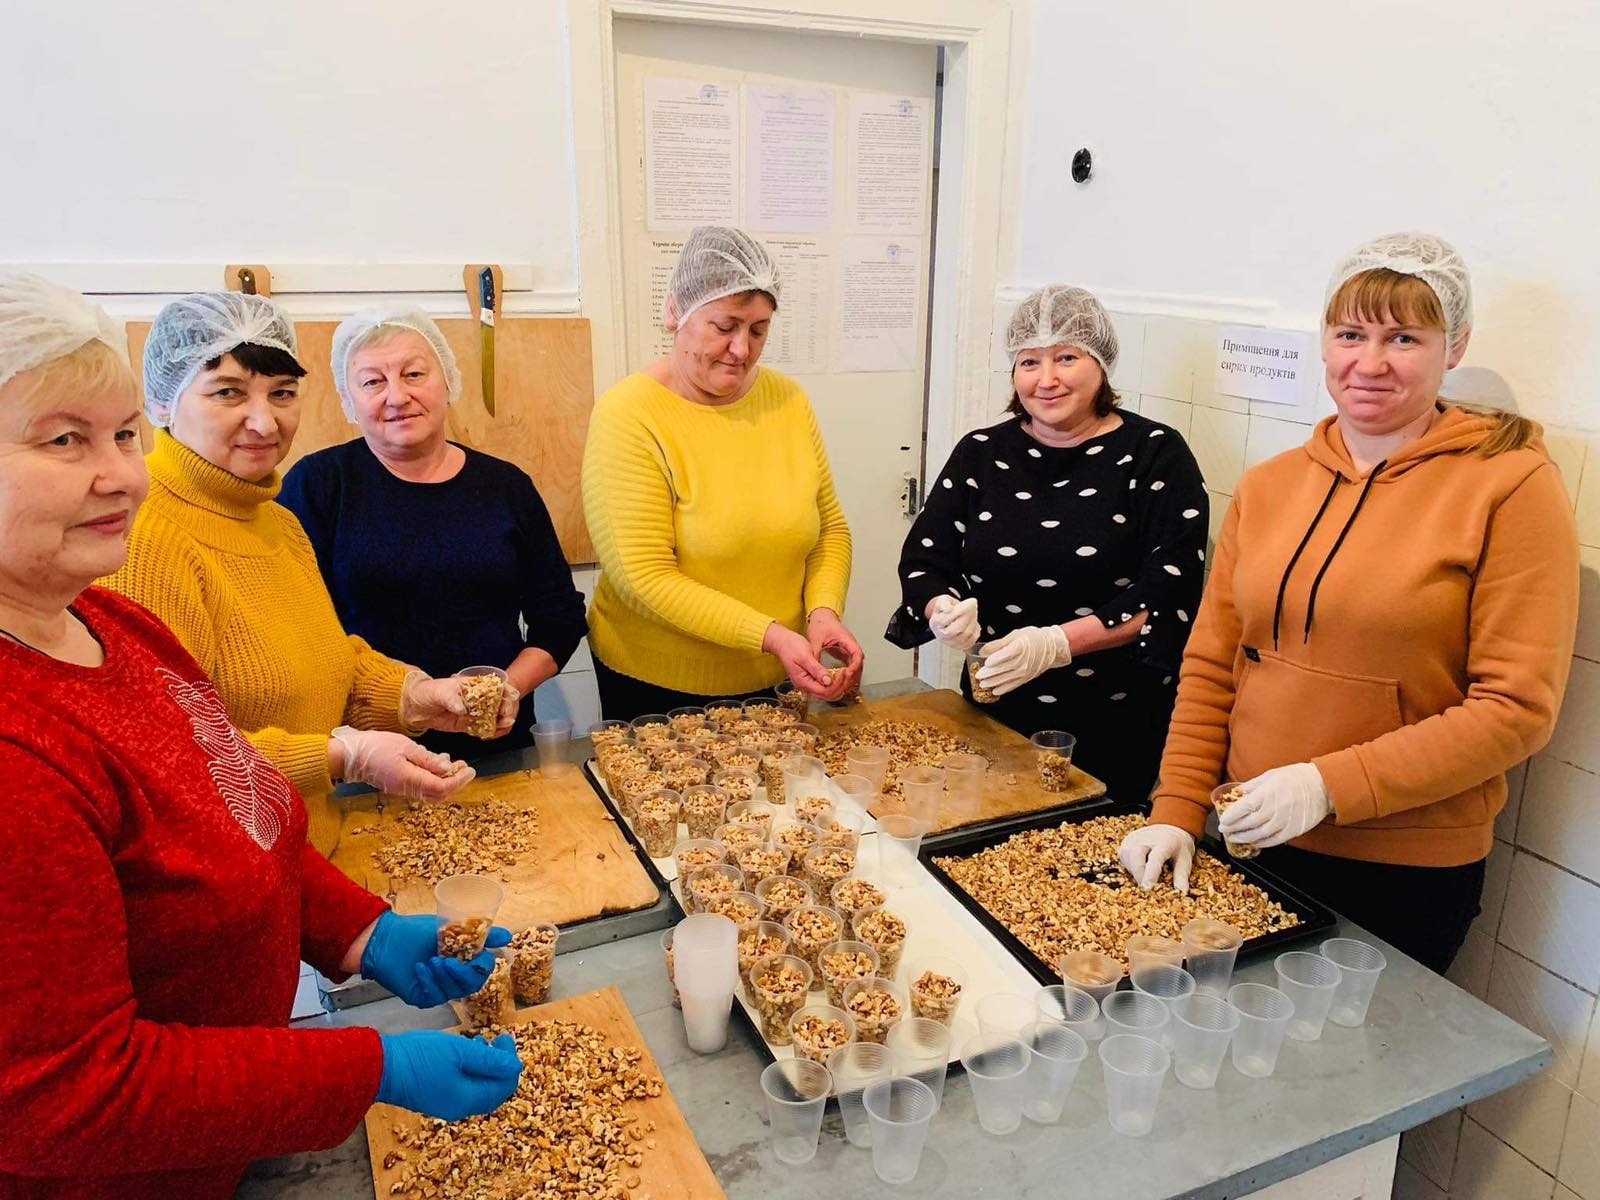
{"points": [[725, 553], [235, 577]]}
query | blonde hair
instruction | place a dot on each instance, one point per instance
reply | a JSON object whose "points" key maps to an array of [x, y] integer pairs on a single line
{"points": [[1384, 295], [92, 367]]}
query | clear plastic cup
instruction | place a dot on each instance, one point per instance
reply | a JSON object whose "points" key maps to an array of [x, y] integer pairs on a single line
{"points": [[1135, 1013], [976, 657], [1210, 948], [1309, 980], [920, 1049], [814, 809], [899, 841], [792, 699], [707, 883], [1003, 1014], [997, 1068], [855, 1068], [852, 957], [484, 724], [1134, 1069], [817, 1030], [466, 906], [1264, 1014], [1053, 749], [869, 762], [753, 812], [877, 1005], [843, 827], [1221, 798], [687, 719], [964, 775], [803, 776], [797, 1092], [824, 866], [1148, 949], [652, 727], [691, 854], [936, 986], [898, 1110], [922, 790], [1092, 972], [779, 985], [553, 740], [1061, 1004], [656, 822], [855, 793], [1055, 1052], [810, 928], [807, 735], [1166, 983], [614, 733], [761, 940], [1359, 965], [703, 809], [1201, 1028]]}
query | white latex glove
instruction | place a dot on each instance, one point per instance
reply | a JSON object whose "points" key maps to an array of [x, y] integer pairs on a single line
{"points": [[395, 764], [1144, 853], [1277, 806], [955, 622], [427, 703], [1023, 654]]}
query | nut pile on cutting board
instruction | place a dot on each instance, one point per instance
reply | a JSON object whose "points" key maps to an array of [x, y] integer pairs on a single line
{"points": [[910, 744], [437, 840], [1062, 889]]}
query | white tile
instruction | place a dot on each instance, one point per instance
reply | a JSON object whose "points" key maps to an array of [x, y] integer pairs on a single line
{"points": [[1553, 1008], [1488, 1169], [1496, 876], [1175, 413], [1431, 1147], [1553, 917], [1176, 351], [1566, 1193], [1567, 450], [1580, 1152], [1268, 438], [1505, 821], [1470, 971], [1577, 735], [1207, 396], [571, 695], [1588, 643], [1133, 401], [1589, 1077], [1589, 497], [1218, 441], [1531, 1118], [1560, 813], [1412, 1184], [1129, 374]]}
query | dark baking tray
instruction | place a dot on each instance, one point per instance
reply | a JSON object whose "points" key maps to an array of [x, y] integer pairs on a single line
{"points": [[1315, 917]]}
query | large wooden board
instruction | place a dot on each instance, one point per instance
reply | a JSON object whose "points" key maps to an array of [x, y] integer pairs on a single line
{"points": [[1012, 786], [544, 391], [583, 867], [674, 1170]]}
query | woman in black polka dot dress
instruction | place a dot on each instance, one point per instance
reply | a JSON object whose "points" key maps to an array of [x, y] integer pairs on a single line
{"points": [[1070, 540]]}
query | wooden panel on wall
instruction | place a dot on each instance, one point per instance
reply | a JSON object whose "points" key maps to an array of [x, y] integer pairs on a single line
{"points": [[544, 391]]}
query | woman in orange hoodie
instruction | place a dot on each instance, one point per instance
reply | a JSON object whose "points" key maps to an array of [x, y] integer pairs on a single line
{"points": [[1387, 629]]}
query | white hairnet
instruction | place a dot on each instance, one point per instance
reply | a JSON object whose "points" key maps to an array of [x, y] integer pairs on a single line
{"points": [[1430, 259], [718, 261], [358, 328], [193, 330], [41, 321], [1059, 315]]}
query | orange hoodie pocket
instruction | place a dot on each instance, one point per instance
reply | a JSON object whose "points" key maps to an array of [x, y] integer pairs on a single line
{"points": [[1285, 712]]}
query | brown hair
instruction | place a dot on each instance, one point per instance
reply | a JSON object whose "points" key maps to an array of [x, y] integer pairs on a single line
{"points": [[1105, 399], [1384, 295]]}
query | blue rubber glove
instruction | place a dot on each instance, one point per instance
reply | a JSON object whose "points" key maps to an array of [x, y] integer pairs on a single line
{"points": [[448, 1076], [403, 955]]}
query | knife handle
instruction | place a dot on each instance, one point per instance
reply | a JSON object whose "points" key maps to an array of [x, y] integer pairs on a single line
{"points": [[486, 294]]}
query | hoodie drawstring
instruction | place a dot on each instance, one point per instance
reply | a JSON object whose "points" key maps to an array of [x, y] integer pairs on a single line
{"points": [[1283, 584], [1311, 602]]}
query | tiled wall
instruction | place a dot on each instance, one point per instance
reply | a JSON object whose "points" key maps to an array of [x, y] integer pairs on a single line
{"points": [[1534, 953]]}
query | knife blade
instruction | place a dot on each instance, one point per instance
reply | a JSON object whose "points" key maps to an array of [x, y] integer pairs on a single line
{"points": [[486, 298]]}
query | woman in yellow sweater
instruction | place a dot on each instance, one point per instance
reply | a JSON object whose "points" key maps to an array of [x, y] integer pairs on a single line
{"points": [[725, 553], [1387, 630], [235, 577]]}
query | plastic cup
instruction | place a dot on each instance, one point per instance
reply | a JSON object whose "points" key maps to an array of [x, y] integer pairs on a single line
{"points": [[1061, 1004], [803, 1032], [1221, 798], [997, 1067], [1053, 748], [1201, 1028], [693, 853], [843, 827], [963, 782], [874, 1023], [707, 883], [930, 979], [1150, 949], [855, 1068], [687, 719], [705, 969], [834, 982], [775, 1007], [899, 841], [1359, 967], [898, 1110], [761, 940], [1264, 1014], [1135, 1013], [855, 794], [1210, 948], [1134, 1069], [976, 657], [920, 1049], [656, 822], [1092, 972], [603, 733], [1166, 983], [922, 789], [797, 1091], [483, 727], [703, 809], [814, 808], [652, 727], [792, 699], [466, 906], [1309, 980], [869, 762], [803, 776], [553, 740], [753, 812], [1055, 1052], [825, 865], [1003, 1014]]}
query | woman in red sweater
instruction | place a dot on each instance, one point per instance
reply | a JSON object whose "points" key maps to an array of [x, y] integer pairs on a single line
{"points": [[1387, 629], [156, 889]]}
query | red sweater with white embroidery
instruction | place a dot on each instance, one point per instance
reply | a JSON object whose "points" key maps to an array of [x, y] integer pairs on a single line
{"points": [[156, 896]]}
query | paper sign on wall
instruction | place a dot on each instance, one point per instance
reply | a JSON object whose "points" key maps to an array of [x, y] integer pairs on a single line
{"points": [[691, 153], [890, 147], [789, 149], [798, 343], [881, 280], [1273, 365], [657, 257]]}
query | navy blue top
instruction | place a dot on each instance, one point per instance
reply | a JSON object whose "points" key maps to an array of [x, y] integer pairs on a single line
{"points": [[439, 574]]}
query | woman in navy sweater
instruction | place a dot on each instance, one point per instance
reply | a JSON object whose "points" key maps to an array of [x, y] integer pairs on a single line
{"points": [[443, 555]]}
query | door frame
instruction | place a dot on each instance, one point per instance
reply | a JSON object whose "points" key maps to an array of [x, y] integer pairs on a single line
{"points": [[979, 146]]}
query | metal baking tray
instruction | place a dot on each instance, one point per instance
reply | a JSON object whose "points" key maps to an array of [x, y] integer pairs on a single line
{"points": [[1315, 917]]}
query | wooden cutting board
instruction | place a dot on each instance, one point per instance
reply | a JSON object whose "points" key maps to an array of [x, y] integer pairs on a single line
{"points": [[1012, 786], [582, 867], [674, 1170]]}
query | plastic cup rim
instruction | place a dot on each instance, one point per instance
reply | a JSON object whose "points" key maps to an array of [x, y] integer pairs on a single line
{"points": [[906, 1083], [1316, 964], [1366, 947]]}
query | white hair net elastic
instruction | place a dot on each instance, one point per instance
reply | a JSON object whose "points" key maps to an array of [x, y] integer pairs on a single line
{"points": [[718, 261], [41, 321], [1059, 315], [356, 330], [1430, 259], [190, 332]]}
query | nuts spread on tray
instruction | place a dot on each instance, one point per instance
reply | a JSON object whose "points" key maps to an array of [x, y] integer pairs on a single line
{"points": [[910, 744], [481, 694], [437, 840], [935, 996], [464, 939], [1061, 889]]}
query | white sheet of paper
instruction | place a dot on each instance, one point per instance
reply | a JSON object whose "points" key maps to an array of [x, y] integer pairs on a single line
{"points": [[798, 343], [657, 257], [890, 140], [691, 154], [1274, 365], [880, 281], [789, 157]]}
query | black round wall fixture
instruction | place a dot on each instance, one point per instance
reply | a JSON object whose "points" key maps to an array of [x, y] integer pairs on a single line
{"points": [[1082, 166]]}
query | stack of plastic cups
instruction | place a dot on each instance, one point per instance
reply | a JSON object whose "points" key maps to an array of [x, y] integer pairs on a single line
{"points": [[705, 966], [1264, 1014], [899, 840], [997, 1068], [1055, 1052], [1210, 948], [797, 1093], [1309, 980], [1134, 1070], [922, 788], [553, 740], [899, 1111], [1072, 1007], [869, 762], [855, 1068], [1201, 1028], [919, 1048], [1359, 967]]}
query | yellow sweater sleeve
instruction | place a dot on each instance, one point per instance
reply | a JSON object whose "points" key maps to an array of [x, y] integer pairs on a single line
{"points": [[627, 501], [828, 564]]}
